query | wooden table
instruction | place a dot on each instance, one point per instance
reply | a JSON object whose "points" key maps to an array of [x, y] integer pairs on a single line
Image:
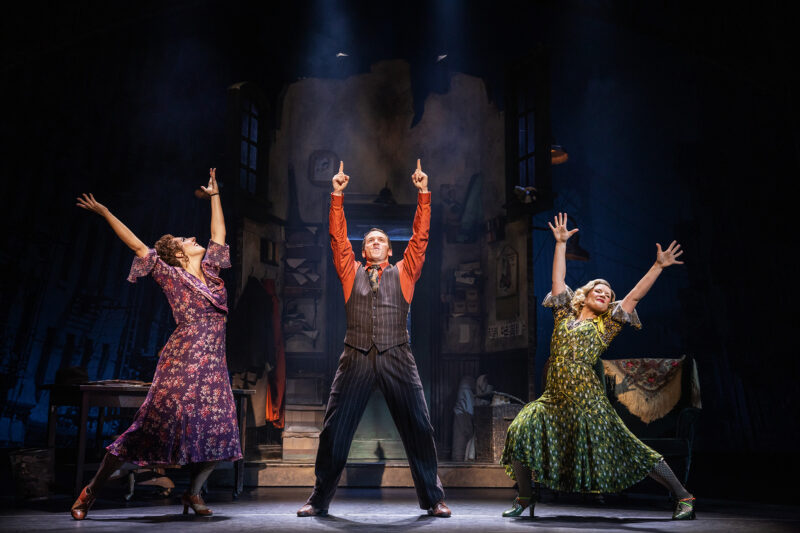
{"points": [[86, 396]]}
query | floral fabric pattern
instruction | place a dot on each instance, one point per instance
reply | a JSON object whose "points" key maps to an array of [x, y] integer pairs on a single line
{"points": [[189, 414], [570, 437]]}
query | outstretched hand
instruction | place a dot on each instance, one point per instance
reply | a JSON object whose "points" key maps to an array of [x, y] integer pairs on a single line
{"points": [[340, 180], [420, 179], [560, 231], [87, 201], [668, 257], [212, 189]]}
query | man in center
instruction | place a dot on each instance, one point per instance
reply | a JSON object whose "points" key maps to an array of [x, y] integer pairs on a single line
{"points": [[377, 298]]}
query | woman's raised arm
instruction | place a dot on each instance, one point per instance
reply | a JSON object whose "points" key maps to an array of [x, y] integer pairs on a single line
{"points": [[217, 219], [562, 235], [664, 258], [127, 236]]}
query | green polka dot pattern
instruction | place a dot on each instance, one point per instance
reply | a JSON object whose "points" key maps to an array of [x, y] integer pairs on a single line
{"points": [[571, 438]]}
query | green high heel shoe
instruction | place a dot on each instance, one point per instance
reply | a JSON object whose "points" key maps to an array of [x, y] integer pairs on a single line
{"points": [[684, 510], [519, 505]]}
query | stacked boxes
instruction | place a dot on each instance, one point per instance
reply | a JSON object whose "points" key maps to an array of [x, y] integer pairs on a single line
{"points": [[301, 434]]}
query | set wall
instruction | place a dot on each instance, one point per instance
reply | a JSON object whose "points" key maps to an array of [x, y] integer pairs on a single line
{"points": [[366, 121]]}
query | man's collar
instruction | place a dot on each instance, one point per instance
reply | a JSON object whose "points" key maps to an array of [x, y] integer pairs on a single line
{"points": [[382, 265]]}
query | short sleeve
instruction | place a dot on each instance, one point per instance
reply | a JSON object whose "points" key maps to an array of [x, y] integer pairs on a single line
{"points": [[142, 266], [612, 321], [149, 264], [218, 256], [560, 304]]}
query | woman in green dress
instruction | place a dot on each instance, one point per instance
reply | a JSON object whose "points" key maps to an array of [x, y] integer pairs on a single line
{"points": [[571, 439]]}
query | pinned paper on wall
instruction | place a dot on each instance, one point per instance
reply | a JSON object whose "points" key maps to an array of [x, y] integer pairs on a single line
{"points": [[463, 333], [507, 272]]}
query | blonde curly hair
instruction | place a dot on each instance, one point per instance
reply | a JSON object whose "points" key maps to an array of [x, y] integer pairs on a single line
{"points": [[579, 299]]}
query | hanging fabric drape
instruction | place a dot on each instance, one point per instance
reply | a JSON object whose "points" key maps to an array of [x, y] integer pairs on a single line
{"points": [[276, 379]]}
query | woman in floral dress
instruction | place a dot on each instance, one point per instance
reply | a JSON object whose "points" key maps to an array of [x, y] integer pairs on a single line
{"points": [[571, 439], [188, 416]]}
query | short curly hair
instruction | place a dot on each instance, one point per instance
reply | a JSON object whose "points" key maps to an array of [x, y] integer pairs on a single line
{"points": [[167, 250], [579, 299]]}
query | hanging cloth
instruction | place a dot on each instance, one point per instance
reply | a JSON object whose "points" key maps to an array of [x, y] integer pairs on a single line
{"points": [[276, 379], [649, 387]]}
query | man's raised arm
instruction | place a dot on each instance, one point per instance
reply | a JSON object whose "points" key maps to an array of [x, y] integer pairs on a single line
{"points": [[343, 259], [414, 256]]}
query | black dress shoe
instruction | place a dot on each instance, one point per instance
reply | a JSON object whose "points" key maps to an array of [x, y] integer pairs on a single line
{"points": [[440, 510], [310, 510]]}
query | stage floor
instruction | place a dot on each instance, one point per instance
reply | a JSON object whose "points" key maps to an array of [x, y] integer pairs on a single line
{"points": [[394, 510]]}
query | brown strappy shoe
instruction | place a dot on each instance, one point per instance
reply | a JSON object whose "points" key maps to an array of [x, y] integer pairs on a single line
{"points": [[195, 501]]}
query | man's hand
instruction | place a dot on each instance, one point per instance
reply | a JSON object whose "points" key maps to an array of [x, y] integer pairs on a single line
{"points": [[90, 204], [665, 258], [340, 180], [420, 179], [560, 231]]}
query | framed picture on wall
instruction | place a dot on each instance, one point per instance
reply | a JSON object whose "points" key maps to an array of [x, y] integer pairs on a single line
{"points": [[507, 272], [322, 165]]}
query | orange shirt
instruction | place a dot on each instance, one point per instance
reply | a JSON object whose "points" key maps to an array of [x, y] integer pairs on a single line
{"points": [[410, 265]]}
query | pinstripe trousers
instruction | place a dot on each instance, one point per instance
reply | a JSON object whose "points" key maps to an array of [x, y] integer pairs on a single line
{"points": [[394, 371]]}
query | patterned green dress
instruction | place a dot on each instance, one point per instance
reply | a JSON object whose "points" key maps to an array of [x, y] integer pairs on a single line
{"points": [[571, 438]]}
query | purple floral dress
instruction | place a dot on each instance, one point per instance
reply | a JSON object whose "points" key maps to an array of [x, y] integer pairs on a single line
{"points": [[189, 414]]}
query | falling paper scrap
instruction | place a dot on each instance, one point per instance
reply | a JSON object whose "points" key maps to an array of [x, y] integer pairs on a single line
{"points": [[301, 279], [295, 262]]}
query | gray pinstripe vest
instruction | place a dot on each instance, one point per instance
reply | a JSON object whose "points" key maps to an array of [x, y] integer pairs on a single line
{"points": [[379, 317]]}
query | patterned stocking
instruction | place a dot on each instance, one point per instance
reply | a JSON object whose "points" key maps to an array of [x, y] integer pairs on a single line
{"points": [[200, 473], [664, 475], [523, 475], [109, 465]]}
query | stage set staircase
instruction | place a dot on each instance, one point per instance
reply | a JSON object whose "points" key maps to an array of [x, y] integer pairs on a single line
{"points": [[377, 457]]}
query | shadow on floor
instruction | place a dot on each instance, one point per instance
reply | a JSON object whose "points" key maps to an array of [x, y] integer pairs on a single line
{"points": [[591, 522], [406, 524], [159, 519]]}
